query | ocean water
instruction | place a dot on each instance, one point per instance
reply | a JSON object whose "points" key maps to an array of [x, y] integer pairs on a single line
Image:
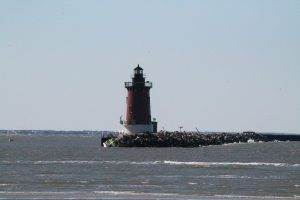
{"points": [[76, 167]]}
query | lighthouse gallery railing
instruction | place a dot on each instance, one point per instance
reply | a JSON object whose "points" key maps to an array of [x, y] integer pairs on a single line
{"points": [[131, 84]]}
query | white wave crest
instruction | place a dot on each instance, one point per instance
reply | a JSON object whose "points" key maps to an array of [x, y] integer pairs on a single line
{"points": [[45, 162], [6, 184], [166, 162], [211, 164], [132, 193], [67, 162], [96, 162]]}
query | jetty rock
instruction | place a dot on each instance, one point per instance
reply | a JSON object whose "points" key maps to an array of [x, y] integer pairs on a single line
{"points": [[184, 139]]}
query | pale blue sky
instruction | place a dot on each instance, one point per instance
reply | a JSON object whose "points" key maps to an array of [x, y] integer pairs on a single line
{"points": [[215, 65]]}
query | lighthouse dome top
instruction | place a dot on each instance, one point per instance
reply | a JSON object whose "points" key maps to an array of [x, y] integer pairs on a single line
{"points": [[138, 67], [138, 70]]}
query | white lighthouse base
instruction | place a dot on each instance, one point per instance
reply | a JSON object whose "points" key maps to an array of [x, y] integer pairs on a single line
{"points": [[131, 129]]}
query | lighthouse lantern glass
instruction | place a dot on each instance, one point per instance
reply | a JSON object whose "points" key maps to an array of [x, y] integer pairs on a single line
{"points": [[138, 71]]}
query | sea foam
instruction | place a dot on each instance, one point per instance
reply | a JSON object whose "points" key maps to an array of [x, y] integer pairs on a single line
{"points": [[212, 164]]}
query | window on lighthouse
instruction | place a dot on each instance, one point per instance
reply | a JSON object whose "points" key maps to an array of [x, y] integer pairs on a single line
{"points": [[138, 71]]}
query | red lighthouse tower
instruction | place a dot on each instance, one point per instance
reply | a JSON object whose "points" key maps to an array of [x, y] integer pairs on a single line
{"points": [[138, 116]]}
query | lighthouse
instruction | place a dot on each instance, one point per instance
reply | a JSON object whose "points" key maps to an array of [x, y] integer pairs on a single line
{"points": [[138, 113]]}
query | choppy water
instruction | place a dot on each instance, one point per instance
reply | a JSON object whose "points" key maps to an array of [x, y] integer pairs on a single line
{"points": [[76, 167]]}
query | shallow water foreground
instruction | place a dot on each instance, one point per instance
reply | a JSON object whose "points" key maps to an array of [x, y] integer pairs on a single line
{"points": [[76, 167]]}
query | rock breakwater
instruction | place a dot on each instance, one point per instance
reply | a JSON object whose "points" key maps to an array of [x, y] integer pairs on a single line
{"points": [[183, 139]]}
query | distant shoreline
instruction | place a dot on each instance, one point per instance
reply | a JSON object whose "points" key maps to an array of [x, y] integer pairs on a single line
{"points": [[57, 132]]}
